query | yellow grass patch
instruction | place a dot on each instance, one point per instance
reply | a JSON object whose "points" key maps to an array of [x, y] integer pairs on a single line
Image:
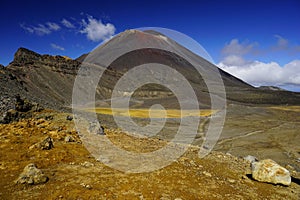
{"points": [[154, 113], [287, 108]]}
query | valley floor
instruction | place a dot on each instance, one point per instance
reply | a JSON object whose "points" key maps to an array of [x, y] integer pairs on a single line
{"points": [[74, 174]]}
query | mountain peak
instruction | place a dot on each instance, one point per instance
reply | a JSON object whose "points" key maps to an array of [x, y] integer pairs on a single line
{"points": [[23, 52], [141, 34], [25, 56], [147, 31]]}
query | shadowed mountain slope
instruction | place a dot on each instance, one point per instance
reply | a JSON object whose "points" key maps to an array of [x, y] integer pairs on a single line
{"points": [[49, 79]]}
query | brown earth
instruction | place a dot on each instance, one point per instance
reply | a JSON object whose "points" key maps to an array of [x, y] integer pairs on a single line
{"points": [[74, 174]]}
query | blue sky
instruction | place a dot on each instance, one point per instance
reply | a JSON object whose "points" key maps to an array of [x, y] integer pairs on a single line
{"points": [[258, 41]]}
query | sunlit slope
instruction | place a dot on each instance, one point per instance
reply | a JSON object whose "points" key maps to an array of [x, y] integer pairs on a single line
{"points": [[287, 108]]}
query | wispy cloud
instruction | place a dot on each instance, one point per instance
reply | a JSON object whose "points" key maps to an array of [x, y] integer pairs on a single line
{"points": [[41, 29], [296, 49], [281, 41], [283, 44], [96, 31], [67, 23], [53, 26], [26, 28], [55, 46]]}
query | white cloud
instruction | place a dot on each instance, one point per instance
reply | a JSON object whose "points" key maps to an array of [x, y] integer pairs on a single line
{"points": [[41, 30], [233, 60], [260, 73], [93, 28], [26, 28], [96, 31], [237, 48], [67, 23], [55, 46]]}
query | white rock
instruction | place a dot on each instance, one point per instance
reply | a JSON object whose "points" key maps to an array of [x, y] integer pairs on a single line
{"points": [[250, 158], [87, 164], [69, 138], [207, 174], [269, 171]]}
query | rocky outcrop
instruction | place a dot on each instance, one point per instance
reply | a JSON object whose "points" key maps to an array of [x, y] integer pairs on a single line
{"points": [[32, 175], [25, 56], [45, 144], [269, 171], [47, 80]]}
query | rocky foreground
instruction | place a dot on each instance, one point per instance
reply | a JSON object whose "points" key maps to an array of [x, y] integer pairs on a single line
{"points": [[42, 157]]}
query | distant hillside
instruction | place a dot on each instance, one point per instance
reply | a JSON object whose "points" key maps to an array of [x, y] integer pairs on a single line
{"points": [[273, 88]]}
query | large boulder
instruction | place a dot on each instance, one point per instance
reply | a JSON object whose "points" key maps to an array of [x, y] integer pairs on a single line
{"points": [[96, 128], [23, 108], [9, 116], [269, 171], [32, 175]]}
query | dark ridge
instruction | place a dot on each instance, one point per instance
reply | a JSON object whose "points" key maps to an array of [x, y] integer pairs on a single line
{"points": [[153, 32], [27, 58], [82, 57]]}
